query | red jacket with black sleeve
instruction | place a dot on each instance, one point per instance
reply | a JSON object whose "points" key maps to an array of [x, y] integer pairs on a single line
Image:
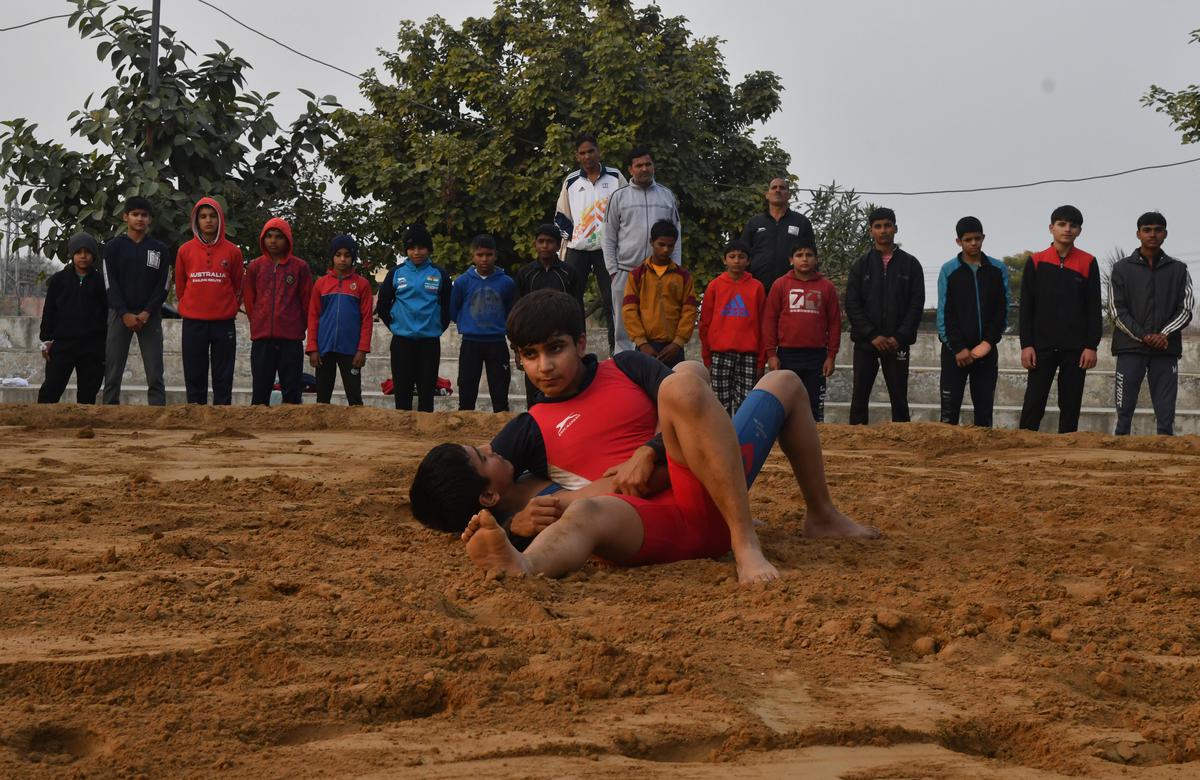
{"points": [[1060, 301]]}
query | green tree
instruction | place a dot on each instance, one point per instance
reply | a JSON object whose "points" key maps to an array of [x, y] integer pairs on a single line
{"points": [[200, 134], [1016, 268], [841, 229], [474, 128], [1182, 106]]}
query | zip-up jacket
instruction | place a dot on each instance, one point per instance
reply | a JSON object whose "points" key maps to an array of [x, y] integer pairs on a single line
{"points": [[339, 315], [1150, 299], [277, 294], [136, 275], [802, 315], [76, 308], [771, 242], [659, 308], [559, 276], [631, 212], [885, 302], [480, 304], [972, 303], [208, 277], [1060, 301], [414, 300], [730, 316], [581, 205]]}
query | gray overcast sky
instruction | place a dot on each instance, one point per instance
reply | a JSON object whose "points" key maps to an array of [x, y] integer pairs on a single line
{"points": [[924, 94]]}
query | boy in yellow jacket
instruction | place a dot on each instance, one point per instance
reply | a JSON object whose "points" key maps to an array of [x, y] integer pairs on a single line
{"points": [[659, 308]]}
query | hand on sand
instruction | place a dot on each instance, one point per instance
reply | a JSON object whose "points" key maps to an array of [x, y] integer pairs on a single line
{"points": [[753, 567], [489, 549], [833, 524]]}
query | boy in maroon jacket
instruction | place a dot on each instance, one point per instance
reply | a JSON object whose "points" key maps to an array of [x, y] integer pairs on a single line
{"points": [[208, 283], [730, 342], [276, 290], [802, 328]]}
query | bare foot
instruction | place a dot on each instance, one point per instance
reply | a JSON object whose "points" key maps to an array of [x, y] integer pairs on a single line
{"points": [[489, 549], [752, 566], [834, 524]]}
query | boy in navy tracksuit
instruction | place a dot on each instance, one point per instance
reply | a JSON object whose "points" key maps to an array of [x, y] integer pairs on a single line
{"points": [[972, 314], [137, 274], [480, 303], [74, 323], [1061, 322], [414, 302], [339, 324]]}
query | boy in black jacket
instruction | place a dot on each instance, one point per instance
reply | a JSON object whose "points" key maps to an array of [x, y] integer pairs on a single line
{"points": [[74, 322], [885, 293], [1151, 303], [972, 315], [1061, 322], [137, 274]]}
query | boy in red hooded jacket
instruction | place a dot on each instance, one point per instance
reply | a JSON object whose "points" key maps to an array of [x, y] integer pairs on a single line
{"points": [[276, 290], [208, 283]]}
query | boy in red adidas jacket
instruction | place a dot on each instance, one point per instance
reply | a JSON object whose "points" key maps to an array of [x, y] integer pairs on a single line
{"points": [[339, 323], [276, 290], [802, 328], [208, 283], [730, 342]]}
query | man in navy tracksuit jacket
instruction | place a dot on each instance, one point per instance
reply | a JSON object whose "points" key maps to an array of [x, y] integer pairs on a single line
{"points": [[479, 303], [971, 317], [414, 302]]}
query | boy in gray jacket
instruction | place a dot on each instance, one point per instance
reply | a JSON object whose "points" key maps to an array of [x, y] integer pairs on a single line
{"points": [[632, 211], [1150, 304]]}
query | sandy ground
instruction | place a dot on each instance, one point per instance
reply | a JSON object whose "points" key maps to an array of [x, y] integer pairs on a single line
{"points": [[190, 592]]}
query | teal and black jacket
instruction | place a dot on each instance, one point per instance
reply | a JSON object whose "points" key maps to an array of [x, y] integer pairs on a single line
{"points": [[972, 303]]}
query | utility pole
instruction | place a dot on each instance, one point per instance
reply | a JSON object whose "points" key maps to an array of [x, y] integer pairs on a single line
{"points": [[154, 31]]}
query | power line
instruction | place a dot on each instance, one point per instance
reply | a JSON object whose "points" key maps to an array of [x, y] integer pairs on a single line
{"points": [[32, 23]]}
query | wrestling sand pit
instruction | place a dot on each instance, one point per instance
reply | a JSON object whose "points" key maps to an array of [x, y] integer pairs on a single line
{"points": [[194, 592]]}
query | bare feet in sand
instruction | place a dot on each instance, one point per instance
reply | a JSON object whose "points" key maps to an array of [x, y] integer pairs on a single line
{"points": [[833, 524], [489, 549]]}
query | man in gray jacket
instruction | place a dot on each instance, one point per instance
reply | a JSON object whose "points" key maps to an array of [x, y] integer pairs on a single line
{"points": [[1150, 303], [632, 211]]}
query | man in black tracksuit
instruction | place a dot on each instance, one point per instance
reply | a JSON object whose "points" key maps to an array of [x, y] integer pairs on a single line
{"points": [[74, 324], [1061, 322], [885, 294], [1150, 304], [773, 234], [972, 315]]}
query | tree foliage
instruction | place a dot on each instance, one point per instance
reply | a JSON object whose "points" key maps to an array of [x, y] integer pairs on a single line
{"points": [[472, 128], [201, 134], [1182, 106], [841, 229]]}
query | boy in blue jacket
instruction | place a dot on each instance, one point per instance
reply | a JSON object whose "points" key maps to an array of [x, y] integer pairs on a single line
{"points": [[479, 304], [414, 302]]}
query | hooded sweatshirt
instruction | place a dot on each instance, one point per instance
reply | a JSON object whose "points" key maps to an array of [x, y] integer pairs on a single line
{"points": [[208, 276], [802, 315], [480, 304], [277, 294], [730, 316], [76, 307]]}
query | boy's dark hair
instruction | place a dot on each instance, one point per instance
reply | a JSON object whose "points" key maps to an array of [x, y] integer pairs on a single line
{"points": [[1067, 214], [664, 228], [736, 245], [548, 229], [138, 203], [483, 241], [584, 138], [636, 152], [1151, 218], [968, 225], [542, 314], [417, 235], [445, 490], [805, 243], [879, 213]]}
